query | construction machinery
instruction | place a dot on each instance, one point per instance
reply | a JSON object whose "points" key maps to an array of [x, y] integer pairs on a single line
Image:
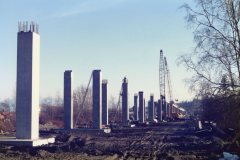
{"points": [[170, 110]]}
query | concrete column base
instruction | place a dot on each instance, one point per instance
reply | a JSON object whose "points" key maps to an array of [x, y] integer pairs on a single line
{"points": [[83, 130], [26, 142]]}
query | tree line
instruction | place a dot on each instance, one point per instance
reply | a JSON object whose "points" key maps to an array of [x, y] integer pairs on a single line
{"points": [[52, 110], [215, 59]]}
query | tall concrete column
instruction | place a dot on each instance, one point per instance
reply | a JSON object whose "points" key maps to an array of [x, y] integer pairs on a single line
{"points": [[27, 92], [171, 108], [125, 111], [164, 108], [141, 108], [148, 108], [27, 89], [155, 108], [167, 108], [144, 108], [159, 110], [68, 100], [97, 99], [104, 103], [151, 109], [136, 107]]}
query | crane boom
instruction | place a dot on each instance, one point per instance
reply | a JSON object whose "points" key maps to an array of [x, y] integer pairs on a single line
{"points": [[168, 80]]}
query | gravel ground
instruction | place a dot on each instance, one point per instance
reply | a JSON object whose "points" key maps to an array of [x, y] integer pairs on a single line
{"points": [[171, 140]]}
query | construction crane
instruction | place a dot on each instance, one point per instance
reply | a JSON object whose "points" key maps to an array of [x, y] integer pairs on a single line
{"points": [[164, 79], [173, 111], [168, 81], [161, 75], [118, 106], [82, 104], [162, 84]]}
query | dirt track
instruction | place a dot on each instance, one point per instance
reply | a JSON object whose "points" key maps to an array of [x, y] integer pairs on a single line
{"points": [[173, 140]]}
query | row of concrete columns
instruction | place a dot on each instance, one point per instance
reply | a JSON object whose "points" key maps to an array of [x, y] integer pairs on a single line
{"points": [[100, 107], [27, 93], [99, 98], [159, 108]]}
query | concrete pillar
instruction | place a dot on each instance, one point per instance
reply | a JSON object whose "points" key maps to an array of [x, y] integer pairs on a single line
{"points": [[136, 107], [27, 92], [171, 108], [104, 103], [151, 109], [68, 100], [141, 108], [97, 99], [159, 110], [164, 108], [155, 108], [125, 111], [144, 108], [148, 108]]}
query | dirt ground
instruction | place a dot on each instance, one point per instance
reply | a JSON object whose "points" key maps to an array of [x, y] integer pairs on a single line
{"points": [[171, 141]]}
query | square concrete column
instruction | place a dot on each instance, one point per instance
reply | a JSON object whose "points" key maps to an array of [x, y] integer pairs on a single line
{"points": [[171, 108], [167, 108], [97, 99], [151, 109], [141, 108], [159, 110], [125, 111], [68, 100], [104, 103], [27, 89], [136, 107], [144, 108], [164, 108], [27, 93], [147, 114], [155, 108]]}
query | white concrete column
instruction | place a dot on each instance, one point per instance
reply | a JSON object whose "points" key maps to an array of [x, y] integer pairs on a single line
{"points": [[68, 100], [97, 99], [141, 108], [136, 107], [104, 102], [125, 111], [27, 92], [159, 110], [151, 109]]}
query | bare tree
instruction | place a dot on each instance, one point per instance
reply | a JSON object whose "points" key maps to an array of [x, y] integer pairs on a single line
{"points": [[7, 105], [58, 100], [114, 110], [82, 111], [216, 57], [52, 110]]}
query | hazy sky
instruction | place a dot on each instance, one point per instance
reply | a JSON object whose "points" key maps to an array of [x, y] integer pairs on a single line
{"points": [[120, 37]]}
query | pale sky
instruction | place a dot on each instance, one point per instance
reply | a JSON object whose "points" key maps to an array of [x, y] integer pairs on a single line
{"points": [[120, 37]]}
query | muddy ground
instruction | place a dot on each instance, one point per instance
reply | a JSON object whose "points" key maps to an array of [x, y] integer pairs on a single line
{"points": [[171, 140]]}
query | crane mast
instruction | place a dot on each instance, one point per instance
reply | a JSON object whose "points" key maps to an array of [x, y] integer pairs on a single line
{"points": [[161, 75]]}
